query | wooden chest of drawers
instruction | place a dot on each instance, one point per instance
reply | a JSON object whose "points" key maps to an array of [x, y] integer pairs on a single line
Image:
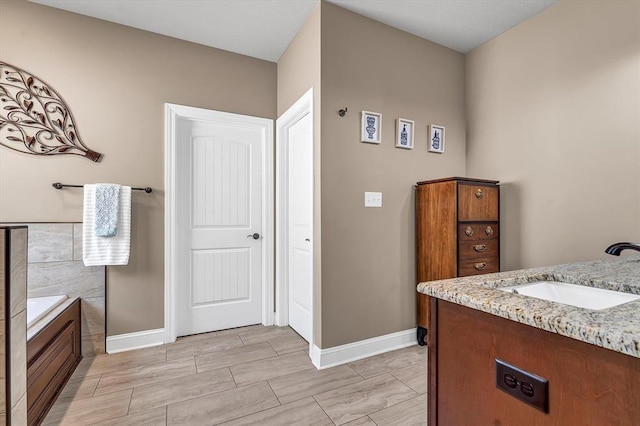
{"points": [[457, 232]]}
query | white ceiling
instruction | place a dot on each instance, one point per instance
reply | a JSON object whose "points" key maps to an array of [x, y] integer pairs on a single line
{"points": [[264, 28]]}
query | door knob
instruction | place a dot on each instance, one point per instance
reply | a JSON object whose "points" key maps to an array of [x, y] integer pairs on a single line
{"points": [[307, 240], [255, 236]]}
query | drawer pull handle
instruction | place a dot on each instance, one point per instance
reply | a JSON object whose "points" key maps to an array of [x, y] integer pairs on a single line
{"points": [[480, 248], [479, 266], [469, 231], [488, 231], [479, 193]]}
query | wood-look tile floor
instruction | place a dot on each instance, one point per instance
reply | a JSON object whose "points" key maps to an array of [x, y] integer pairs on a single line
{"points": [[246, 376]]}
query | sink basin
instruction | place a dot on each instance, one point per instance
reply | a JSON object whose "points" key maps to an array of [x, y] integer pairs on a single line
{"points": [[573, 294]]}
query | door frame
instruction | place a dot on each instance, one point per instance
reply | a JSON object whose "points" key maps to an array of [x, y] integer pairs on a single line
{"points": [[174, 112], [299, 109]]}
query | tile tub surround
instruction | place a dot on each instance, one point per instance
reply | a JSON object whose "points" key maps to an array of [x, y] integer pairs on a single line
{"points": [[55, 267], [13, 320], [616, 328]]}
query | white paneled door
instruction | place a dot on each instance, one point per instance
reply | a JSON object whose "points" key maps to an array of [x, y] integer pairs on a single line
{"points": [[300, 188], [294, 218], [220, 201]]}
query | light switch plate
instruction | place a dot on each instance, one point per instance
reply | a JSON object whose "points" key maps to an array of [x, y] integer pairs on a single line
{"points": [[373, 199]]}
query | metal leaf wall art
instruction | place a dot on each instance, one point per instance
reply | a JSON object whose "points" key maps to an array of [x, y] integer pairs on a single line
{"points": [[34, 119]]}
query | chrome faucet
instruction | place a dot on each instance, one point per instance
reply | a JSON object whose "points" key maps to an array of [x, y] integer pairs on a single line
{"points": [[616, 249]]}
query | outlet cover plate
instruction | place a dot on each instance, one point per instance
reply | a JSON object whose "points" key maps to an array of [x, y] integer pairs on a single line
{"points": [[373, 199], [527, 387]]}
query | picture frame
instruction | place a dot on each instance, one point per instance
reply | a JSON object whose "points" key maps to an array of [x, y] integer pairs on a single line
{"points": [[436, 138], [404, 133], [371, 127]]}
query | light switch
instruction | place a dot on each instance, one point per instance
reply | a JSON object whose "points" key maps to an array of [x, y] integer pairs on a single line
{"points": [[373, 199]]}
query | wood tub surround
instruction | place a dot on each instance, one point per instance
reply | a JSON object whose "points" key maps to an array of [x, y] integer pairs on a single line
{"points": [[591, 358], [52, 356], [457, 232]]}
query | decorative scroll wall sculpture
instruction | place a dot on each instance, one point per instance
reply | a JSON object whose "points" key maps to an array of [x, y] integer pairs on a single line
{"points": [[34, 119]]}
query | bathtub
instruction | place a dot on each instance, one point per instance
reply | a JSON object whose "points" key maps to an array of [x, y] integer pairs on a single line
{"points": [[39, 307]]}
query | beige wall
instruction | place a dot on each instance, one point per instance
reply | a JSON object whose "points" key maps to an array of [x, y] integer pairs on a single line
{"points": [[368, 254], [298, 71], [553, 109], [116, 80]]}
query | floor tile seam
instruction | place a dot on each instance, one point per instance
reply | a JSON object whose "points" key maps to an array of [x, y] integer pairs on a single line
{"points": [[251, 414], [273, 348], [411, 387], [233, 377], [275, 377], [254, 360], [380, 373], [356, 371], [265, 336], [374, 422], [128, 365], [69, 403], [93, 393], [339, 387], [185, 400], [129, 404], [142, 366], [393, 405], [207, 352], [403, 382], [323, 410], [151, 382], [71, 412], [364, 380], [409, 365], [232, 365], [316, 394], [148, 381]]}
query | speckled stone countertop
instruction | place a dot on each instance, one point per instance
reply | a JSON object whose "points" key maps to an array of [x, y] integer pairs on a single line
{"points": [[616, 328]]}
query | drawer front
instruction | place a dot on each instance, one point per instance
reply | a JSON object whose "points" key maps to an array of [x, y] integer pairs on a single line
{"points": [[478, 231], [481, 265], [477, 202], [474, 249]]}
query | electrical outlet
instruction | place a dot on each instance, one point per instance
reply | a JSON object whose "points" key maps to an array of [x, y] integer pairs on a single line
{"points": [[525, 386], [373, 199]]}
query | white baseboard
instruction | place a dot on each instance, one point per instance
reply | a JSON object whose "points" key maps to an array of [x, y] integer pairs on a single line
{"points": [[137, 340], [330, 357]]}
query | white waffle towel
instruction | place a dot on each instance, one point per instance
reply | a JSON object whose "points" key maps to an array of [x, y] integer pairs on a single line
{"points": [[99, 251]]}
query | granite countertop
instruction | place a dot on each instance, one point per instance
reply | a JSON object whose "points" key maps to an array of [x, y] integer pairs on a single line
{"points": [[616, 328]]}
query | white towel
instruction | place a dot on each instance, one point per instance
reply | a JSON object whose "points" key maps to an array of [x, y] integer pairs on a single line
{"points": [[98, 251]]}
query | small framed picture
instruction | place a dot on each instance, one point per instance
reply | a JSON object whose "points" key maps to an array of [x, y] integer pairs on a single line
{"points": [[371, 127], [404, 133], [436, 138]]}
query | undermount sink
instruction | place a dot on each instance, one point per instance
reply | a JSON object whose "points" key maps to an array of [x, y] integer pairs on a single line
{"points": [[572, 294]]}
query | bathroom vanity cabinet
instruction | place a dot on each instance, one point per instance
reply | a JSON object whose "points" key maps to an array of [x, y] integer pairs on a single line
{"points": [[457, 231], [502, 358], [587, 384]]}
